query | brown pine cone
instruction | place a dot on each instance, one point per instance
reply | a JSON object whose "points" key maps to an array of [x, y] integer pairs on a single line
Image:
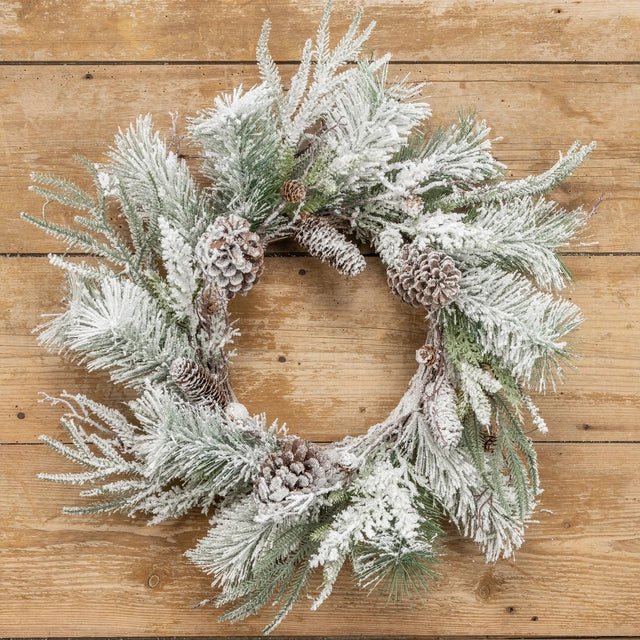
{"points": [[231, 255], [299, 466], [197, 383], [293, 191], [413, 205], [327, 243], [489, 442], [425, 278], [427, 355]]}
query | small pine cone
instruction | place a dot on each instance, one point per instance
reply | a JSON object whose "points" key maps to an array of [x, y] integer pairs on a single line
{"points": [[299, 466], [489, 441], [413, 205], [293, 191], [426, 278], [210, 301], [197, 383], [231, 255], [328, 244], [427, 355]]}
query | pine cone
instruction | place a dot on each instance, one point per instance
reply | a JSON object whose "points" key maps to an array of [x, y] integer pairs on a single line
{"points": [[293, 191], [327, 243], [413, 205], [425, 278], [489, 441], [231, 255], [197, 383], [298, 467], [427, 355]]}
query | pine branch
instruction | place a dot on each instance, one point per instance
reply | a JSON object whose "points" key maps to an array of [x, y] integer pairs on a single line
{"points": [[402, 575], [530, 186], [367, 125], [245, 157], [82, 240], [326, 81], [522, 234], [199, 447], [489, 515], [113, 324], [514, 322], [456, 156], [403, 572], [81, 422], [298, 84], [256, 561], [182, 273], [266, 65], [115, 250], [175, 458], [63, 191], [156, 183]]}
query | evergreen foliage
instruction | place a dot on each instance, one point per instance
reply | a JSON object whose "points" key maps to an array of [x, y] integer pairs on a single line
{"points": [[357, 157]]}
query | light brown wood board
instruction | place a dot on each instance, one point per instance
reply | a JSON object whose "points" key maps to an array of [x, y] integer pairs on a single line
{"points": [[348, 347], [536, 112], [542, 74], [227, 30], [72, 575]]}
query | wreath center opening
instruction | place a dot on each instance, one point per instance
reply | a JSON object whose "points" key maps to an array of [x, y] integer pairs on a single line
{"points": [[327, 355]]}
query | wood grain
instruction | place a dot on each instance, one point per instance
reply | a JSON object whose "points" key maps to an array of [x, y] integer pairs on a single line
{"points": [[66, 575], [226, 30], [348, 349], [50, 113]]}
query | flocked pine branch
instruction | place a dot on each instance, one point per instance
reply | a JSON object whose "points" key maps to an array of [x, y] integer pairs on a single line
{"points": [[367, 126], [113, 324], [380, 529], [257, 561], [93, 232], [182, 273], [327, 81], [155, 182], [534, 185], [425, 168], [524, 234], [519, 234], [102, 440], [513, 321], [245, 158], [458, 155], [491, 517], [207, 452], [171, 458]]}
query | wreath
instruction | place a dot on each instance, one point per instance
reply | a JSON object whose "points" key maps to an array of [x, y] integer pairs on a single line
{"points": [[341, 155]]}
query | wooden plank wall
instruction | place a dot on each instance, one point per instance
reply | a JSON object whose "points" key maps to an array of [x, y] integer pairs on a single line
{"points": [[329, 356]]}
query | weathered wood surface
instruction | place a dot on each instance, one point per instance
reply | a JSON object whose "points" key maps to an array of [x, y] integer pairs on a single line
{"points": [[224, 30], [578, 573], [70, 575], [49, 113], [348, 348]]}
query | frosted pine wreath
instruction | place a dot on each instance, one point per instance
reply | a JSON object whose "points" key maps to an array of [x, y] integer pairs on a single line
{"points": [[341, 155]]}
